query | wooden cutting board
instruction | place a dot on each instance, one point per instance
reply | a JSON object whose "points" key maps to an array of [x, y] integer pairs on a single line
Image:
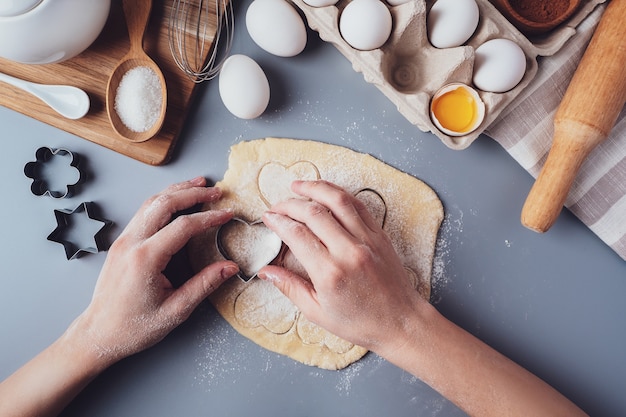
{"points": [[90, 71]]}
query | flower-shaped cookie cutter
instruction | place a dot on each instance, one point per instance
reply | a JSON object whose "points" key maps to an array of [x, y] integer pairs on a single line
{"points": [[39, 174], [69, 223]]}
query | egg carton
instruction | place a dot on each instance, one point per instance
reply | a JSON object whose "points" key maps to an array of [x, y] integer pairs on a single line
{"points": [[409, 70]]}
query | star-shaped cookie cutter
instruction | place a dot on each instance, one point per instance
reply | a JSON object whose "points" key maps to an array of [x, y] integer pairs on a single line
{"points": [[65, 223], [34, 170]]}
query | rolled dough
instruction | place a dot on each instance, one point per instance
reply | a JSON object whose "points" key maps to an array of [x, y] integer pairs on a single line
{"points": [[259, 173]]}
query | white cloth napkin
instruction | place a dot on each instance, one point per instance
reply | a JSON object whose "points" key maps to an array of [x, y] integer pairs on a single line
{"points": [[525, 129]]}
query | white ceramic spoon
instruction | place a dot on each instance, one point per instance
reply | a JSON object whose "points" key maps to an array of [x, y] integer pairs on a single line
{"points": [[70, 102]]}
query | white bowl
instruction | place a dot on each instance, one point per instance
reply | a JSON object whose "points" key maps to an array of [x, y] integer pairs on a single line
{"points": [[48, 31]]}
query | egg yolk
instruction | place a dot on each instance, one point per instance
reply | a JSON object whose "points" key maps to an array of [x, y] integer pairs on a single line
{"points": [[456, 110]]}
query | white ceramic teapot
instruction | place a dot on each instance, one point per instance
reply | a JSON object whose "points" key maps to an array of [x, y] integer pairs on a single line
{"points": [[47, 31]]}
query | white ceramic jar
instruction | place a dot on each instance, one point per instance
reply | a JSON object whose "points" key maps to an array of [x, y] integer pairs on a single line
{"points": [[48, 31]]}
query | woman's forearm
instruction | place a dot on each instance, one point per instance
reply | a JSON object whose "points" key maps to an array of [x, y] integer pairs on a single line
{"points": [[359, 290], [47, 383], [134, 305], [475, 377]]}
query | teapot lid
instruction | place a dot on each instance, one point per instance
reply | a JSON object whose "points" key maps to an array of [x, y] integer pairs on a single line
{"points": [[11, 8]]}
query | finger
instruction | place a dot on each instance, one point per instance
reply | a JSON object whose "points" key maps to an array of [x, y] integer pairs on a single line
{"points": [[344, 205], [319, 219], [172, 188], [180, 304], [347, 209], [158, 210], [300, 291], [195, 182], [306, 247], [175, 235]]}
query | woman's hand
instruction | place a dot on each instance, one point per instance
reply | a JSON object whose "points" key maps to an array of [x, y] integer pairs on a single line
{"points": [[134, 305], [359, 289]]}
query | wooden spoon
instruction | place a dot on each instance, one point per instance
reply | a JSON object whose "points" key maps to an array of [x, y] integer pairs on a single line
{"points": [[584, 119], [137, 14]]}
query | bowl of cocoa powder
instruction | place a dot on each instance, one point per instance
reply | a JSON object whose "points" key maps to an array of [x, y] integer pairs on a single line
{"points": [[535, 17]]}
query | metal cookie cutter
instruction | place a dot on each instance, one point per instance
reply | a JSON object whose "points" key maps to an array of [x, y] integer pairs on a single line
{"points": [[258, 246], [70, 230], [37, 171]]}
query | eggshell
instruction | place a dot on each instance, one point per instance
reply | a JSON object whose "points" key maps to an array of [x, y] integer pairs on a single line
{"points": [[499, 65], [243, 87], [276, 27], [397, 2], [452, 22], [365, 24], [477, 113], [320, 3]]}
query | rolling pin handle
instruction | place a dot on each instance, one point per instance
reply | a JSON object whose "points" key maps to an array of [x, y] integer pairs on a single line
{"points": [[573, 143], [586, 115]]}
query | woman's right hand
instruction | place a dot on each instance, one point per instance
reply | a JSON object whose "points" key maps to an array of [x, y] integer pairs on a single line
{"points": [[360, 292], [359, 289]]}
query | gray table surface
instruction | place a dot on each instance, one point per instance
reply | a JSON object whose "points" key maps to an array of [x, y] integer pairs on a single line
{"points": [[553, 302]]}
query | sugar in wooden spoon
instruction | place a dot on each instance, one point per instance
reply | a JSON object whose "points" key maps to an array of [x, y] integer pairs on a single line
{"points": [[136, 96]]}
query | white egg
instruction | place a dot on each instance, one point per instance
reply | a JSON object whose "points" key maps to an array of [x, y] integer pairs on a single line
{"points": [[452, 22], [499, 65], [276, 27], [243, 87], [365, 24], [320, 3]]}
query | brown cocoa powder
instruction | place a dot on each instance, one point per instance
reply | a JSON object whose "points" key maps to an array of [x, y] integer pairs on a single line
{"points": [[540, 11]]}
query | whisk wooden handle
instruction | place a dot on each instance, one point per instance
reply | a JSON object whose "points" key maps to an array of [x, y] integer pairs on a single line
{"points": [[137, 14], [585, 117]]}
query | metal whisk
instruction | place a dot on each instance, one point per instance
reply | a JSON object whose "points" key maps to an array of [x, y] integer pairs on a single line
{"points": [[191, 24]]}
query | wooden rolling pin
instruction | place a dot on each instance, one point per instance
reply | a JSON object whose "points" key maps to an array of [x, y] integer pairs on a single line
{"points": [[587, 114]]}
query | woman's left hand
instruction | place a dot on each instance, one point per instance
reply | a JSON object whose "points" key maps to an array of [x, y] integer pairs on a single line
{"points": [[134, 305]]}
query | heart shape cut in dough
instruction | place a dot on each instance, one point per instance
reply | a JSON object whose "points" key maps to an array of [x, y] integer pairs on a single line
{"points": [[262, 304], [375, 204], [249, 245], [312, 334], [274, 180]]}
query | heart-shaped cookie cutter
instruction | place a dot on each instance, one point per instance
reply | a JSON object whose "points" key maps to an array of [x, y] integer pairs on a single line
{"points": [[248, 268], [381, 214]]}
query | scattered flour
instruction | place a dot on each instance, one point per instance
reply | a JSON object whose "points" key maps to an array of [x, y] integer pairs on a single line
{"points": [[452, 226], [348, 375], [343, 379], [221, 362], [226, 359]]}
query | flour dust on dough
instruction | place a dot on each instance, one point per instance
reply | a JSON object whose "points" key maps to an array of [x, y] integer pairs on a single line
{"points": [[259, 174]]}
